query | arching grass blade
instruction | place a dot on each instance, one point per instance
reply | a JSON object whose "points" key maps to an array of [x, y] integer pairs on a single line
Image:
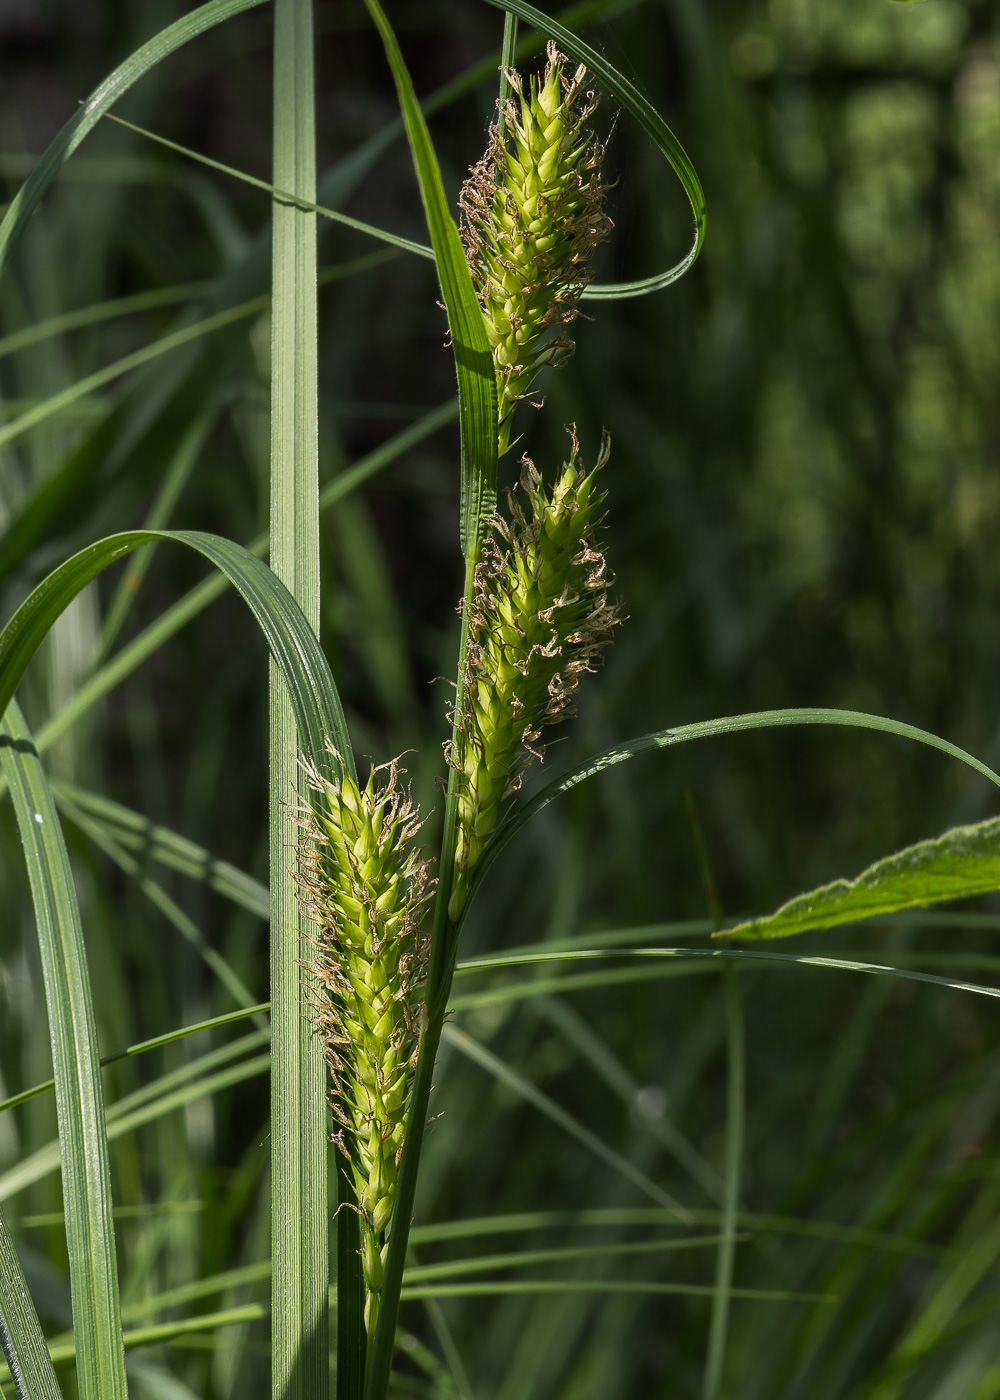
{"points": [[90, 1235], [651, 122], [311, 688], [100, 100], [709, 729]]}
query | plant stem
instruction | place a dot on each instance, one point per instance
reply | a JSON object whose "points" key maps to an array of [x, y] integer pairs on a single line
{"points": [[732, 1172], [299, 1212], [444, 948]]}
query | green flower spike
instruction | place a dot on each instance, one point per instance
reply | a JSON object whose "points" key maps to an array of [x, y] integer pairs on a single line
{"points": [[364, 884], [540, 618], [532, 218]]}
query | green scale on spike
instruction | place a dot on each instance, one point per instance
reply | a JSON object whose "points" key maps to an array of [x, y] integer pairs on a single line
{"points": [[365, 885], [532, 217], [539, 619]]}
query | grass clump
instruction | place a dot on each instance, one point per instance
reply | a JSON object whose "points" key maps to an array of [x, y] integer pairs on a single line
{"points": [[532, 217], [364, 883]]}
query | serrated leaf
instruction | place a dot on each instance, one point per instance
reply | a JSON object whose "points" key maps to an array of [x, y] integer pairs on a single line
{"points": [[962, 861]]}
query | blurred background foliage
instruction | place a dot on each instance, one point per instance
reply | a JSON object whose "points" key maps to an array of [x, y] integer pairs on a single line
{"points": [[803, 509]]}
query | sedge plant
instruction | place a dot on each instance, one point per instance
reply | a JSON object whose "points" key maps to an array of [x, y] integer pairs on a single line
{"points": [[365, 928]]}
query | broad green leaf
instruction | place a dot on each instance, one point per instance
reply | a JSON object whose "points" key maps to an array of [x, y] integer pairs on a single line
{"points": [[963, 861], [100, 100], [21, 1333], [83, 1150], [708, 729], [477, 392], [638, 106], [311, 688]]}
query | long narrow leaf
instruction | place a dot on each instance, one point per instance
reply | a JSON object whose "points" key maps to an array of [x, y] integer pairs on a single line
{"points": [[651, 122], [477, 392], [100, 100], [300, 1366], [146, 1045], [21, 1334], [709, 729], [90, 1235], [162, 901], [311, 688], [198, 598], [963, 861], [503, 1073]]}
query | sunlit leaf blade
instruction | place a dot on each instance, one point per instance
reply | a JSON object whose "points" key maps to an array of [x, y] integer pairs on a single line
{"points": [[477, 393], [311, 688], [300, 1246], [633, 101], [708, 729], [90, 1236], [21, 1334], [963, 861], [100, 100]]}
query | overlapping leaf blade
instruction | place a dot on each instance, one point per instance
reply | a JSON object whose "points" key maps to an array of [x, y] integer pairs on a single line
{"points": [[477, 394], [90, 1236], [311, 688], [638, 106]]}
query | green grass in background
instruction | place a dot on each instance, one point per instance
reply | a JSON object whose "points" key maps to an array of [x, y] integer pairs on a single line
{"points": [[803, 512]]}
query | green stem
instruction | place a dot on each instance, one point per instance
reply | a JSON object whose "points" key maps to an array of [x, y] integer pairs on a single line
{"points": [[732, 1171], [440, 972], [508, 58], [299, 1211]]}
